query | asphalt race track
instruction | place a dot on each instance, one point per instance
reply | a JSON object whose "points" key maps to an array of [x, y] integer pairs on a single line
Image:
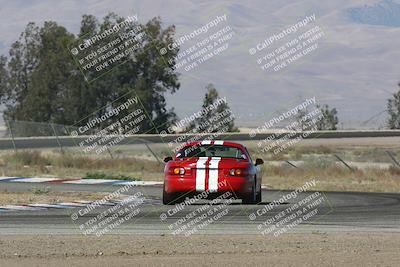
{"points": [[339, 211]]}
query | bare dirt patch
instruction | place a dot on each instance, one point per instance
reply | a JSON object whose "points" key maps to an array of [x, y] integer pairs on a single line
{"points": [[43, 197], [320, 249]]}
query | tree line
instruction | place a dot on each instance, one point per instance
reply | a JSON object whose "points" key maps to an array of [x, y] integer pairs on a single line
{"points": [[40, 82]]}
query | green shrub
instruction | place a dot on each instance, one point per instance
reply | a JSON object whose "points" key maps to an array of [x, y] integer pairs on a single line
{"points": [[101, 175], [319, 163], [40, 191], [27, 157]]}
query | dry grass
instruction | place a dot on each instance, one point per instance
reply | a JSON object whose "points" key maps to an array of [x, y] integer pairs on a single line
{"points": [[16, 198], [300, 152], [319, 164], [69, 165], [332, 177]]}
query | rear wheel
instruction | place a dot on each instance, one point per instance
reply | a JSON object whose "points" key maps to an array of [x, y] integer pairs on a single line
{"points": [[258, 194], [258, 197], [168, 198], [251, 198]]}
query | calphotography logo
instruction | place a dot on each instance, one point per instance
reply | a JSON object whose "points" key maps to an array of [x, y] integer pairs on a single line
{"points": [[301, 209], [119, 209], [212, 39], [98, 53], [201, 217], [112, 127], [206, 124], [200, 133], [282, 49]]}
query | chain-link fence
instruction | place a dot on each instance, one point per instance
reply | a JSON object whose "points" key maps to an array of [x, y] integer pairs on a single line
{"points": [[19, 135]]}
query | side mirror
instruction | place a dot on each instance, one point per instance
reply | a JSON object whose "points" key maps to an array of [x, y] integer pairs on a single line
{"points": [[166, 159], [259, 162]]}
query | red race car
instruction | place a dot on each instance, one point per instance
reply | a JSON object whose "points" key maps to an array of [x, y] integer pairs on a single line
{"points": [[215, 167]]}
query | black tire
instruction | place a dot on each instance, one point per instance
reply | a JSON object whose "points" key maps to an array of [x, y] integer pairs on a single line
{"points": [[251, 198], [168, 198], [259, 194], [259, 197]]}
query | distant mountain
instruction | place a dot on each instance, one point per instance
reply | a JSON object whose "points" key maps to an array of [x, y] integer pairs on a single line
{"points": [[385, 13], [355, 68]]}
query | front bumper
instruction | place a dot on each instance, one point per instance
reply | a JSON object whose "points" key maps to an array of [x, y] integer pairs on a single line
{"points": [[239, 186]]}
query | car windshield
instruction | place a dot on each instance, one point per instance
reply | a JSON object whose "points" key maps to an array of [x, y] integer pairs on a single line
{"points": [[211, 151]]}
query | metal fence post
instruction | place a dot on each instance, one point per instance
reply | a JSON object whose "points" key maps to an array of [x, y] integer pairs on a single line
{"points": [[109, 152], [152, 152], [392, 157], [347, 165], [12, 135], [291, 164], [58, 140]]}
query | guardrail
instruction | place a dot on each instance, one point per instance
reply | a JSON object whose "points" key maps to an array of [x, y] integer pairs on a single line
{"points": [[69, 141]]}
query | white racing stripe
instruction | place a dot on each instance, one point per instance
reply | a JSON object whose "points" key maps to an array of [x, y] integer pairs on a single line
{"points": [[33, 180], [9, 178], [206, 142], [77, 181], [48, 206], [20, 207], [137, 183], [218, 142], [201, 174], [71, 204], [213, 174]]}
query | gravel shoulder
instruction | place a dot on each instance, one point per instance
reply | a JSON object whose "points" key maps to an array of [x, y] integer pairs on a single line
{"points": [[42, 196], [317, 249]]}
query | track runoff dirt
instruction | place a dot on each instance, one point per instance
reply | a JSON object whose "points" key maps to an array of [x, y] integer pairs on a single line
{"points": [[18, 198], [313, 249]]}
